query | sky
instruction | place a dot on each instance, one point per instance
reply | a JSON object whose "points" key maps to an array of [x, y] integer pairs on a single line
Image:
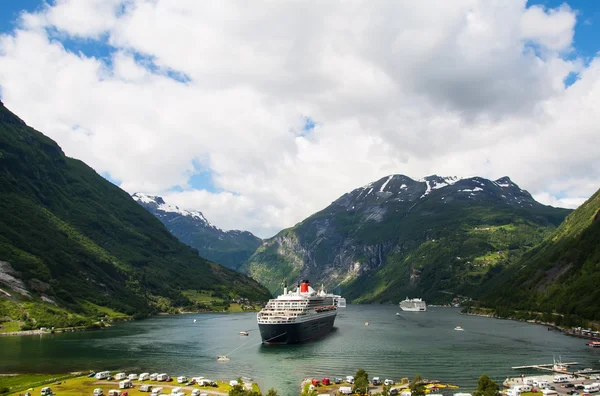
{"points": [[260, 114]]}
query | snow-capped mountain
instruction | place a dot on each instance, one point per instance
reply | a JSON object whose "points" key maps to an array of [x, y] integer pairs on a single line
{"points": [[228, 248], [398, 235]]}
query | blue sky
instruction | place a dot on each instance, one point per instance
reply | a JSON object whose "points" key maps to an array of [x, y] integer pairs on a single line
{"points": [[277, 129], [588, 23], [585, 43]]}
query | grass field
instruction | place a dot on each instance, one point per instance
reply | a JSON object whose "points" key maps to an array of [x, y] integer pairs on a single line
{"points": [[77, 385], [22, 382]]}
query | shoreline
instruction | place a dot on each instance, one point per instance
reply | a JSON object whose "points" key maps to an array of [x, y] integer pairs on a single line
{"points": [[567, 332], [20, 333]]}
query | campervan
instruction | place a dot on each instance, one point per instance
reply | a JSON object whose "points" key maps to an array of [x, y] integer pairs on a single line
{"points": [[157, 391], [529, 381], [125, 384], [102, 375], [98, 392], [591, 388], [47, 391], [522, 388], [560, 378], [541, 384], [349, 379]]}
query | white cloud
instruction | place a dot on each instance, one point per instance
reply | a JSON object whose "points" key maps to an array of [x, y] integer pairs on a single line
{"points": [[419, 89]]}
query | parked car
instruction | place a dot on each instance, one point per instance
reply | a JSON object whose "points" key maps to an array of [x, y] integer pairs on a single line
{"points": [[192, 382], [91, 374], [169, 379], [580, 387], [569, 385], [376, 381], [337, 380], [388, 382]]}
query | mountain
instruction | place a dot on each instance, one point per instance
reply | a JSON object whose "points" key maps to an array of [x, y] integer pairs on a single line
{"points": [[75, 248], [434, 238], [228, 248], [560, 275]]}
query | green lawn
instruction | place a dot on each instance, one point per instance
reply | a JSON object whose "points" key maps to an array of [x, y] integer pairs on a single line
{"points": [[104, 310], [21, 382]]}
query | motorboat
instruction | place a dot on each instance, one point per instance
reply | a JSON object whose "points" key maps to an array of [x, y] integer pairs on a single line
{"points": [[459, 328]]}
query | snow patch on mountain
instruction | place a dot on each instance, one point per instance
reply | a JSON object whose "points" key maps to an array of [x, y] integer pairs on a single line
{"points": [[165, 207]]}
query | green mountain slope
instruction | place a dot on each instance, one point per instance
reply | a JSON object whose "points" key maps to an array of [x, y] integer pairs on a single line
{"points": [[228, 248], [72, 243], [435, 238], [559, 275]]}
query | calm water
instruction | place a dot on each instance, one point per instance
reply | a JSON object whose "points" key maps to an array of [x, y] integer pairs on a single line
{"points": [[391, 346]]}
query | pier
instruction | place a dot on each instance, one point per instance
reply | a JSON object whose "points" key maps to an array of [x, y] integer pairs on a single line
{"points": [[553, 367]]}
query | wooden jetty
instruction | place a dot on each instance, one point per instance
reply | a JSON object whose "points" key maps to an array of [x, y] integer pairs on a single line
{"points": [[554, 367]]}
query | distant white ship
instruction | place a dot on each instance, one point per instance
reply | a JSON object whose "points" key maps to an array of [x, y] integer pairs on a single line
{"points": [[413, 305]]}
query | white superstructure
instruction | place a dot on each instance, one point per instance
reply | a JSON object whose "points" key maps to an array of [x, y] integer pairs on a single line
{"points": [[300, 306], [413, 305], [298, 316]]}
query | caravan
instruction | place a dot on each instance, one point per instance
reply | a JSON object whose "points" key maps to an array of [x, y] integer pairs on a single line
{"points": [[125, 384], [157, 391], [144, 377], [120, 376], [102, 375], [162, 377], [560, 379]]}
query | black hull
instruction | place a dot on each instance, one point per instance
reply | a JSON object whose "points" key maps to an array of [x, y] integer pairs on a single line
{"points": [[295, 333]]}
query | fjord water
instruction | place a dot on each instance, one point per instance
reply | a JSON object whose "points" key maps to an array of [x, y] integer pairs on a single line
{"points": [[391, 346]]}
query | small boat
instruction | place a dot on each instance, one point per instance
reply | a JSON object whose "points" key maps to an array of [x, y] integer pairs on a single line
{"points": [[244, 333], [194, 320], [594, 344], [459, 328], [366, 323], [223, 358], [398, 313]]}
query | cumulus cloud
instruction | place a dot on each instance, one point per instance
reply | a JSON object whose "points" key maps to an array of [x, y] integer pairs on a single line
{"points": [[188, 87]]}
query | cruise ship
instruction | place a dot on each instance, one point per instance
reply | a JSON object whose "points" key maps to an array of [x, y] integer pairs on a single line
{"points": [[413, 305], [298, 316]]}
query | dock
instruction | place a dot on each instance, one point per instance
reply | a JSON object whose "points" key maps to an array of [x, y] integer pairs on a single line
{"points": [[553, 367]]}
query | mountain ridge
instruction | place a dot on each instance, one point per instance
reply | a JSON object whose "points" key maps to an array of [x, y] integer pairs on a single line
{"points": [[558, 276], [229, 248], [84, 249], [361, 243]]}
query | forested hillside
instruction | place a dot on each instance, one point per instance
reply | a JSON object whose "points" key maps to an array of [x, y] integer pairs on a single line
{"points": [[560, 275], [435, 238], [75, 248]]}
